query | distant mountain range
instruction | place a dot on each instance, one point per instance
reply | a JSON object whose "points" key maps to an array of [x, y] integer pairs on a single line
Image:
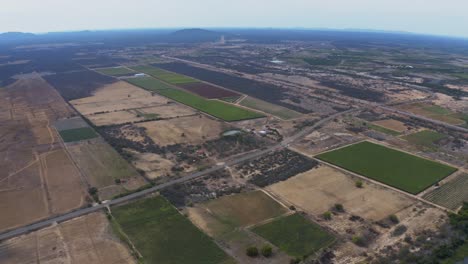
{"points": [[16, 35]]}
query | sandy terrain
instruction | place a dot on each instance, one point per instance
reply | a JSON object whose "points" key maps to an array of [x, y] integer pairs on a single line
{"points": [[392, 124], [183, 130], [33, 184], [317, 190], [87, 239]]}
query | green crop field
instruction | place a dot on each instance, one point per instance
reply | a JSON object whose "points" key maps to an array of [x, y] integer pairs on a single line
{"points": [[77, 134], [395, 168], [276, 110], [162, 235], [425, 138], [215, 108], [295, 235], [170, 77], [117, 71]]}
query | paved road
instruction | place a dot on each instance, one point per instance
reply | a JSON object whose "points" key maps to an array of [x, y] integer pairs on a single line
{"points": [[84, 211]]}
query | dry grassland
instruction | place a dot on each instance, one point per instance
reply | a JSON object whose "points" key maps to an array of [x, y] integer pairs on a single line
{"points": [[317, 190], [392, 124], [87, 239]]}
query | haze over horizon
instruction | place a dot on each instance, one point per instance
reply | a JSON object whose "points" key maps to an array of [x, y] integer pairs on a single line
{"points": [[426, 17]]}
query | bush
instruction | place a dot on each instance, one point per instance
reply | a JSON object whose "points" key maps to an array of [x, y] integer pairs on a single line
{"points": [[93, 191], [267, 251], [339, 207], [252, 252], [399, 230], [327, 215], [359, 184], [359, 240], [394, 219], [118, 181], [295, 261]]}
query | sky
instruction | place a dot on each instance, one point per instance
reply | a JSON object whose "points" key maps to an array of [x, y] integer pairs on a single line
{"points": [[438, 17]]}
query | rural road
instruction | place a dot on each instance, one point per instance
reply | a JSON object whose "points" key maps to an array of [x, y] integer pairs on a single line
{"points": [[57, 219]]}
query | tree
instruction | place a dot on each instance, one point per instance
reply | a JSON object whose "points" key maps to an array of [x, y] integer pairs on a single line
{"points": [[359, 184], [327, 215], [267, 251], [252, 252], [93, 190], [339, 207], [394, 219]]}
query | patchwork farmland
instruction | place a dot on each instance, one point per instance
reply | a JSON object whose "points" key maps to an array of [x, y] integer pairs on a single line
{"points": [[395, 168]]}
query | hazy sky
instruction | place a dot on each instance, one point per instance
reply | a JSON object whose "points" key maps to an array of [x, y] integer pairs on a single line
{"points": [[443, 17]]}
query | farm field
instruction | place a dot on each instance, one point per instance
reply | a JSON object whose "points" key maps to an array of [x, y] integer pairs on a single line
{"points": [[383, 129], [276, 110], [78, 84], [85, 239], [191, 130], [78, 134], [167, 76], [391, 124], [32, 182], [395, 168], [157, 230], [330, 187], [116, 71], [102, 166], [215, 108], [208, 91], [425, 139], [435, 112], [228, 213], [295, 235], [451, 194]]}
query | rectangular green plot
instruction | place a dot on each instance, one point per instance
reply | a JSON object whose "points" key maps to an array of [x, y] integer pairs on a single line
{"points": [[395, 168], [170, 77], [295, 235], [162, 235], [77, 134], [276, 110], [116, 71], [215, 108], [425, 138]]}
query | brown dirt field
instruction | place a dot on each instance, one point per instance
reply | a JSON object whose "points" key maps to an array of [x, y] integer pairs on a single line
{"points": [[153, 165], [168, 110], [114, 118], [87, 239], [195, 129], [392, 124], [317, 190], [63, 182], [115, 97], [26, 139]]}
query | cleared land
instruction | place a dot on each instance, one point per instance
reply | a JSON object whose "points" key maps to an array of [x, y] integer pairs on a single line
{"points": [[391, 124], [225, 214], [295, 235], [329, 186], [87, 239], [192, 130], [167, 76], [215, 108], [102, 165], [32, 180], [77, 134], [162, 235], [395, 168], [425, 139], [451, 194], [116, 71], [276, 110]]}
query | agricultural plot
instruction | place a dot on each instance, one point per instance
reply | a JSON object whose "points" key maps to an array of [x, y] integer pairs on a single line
{"points": [[228, 213], [426, 139], [32, 182], [276, 110], [435, 112], [330, 187], [215, 108], [103, 166], [190, 130], [391, 124], [116, 71], [78, 134], [85, 239], [208, 91], [157, 230], [295, 235], [383, 130], [451, 194], [167, 76], [78, 84], [395, 168]]}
